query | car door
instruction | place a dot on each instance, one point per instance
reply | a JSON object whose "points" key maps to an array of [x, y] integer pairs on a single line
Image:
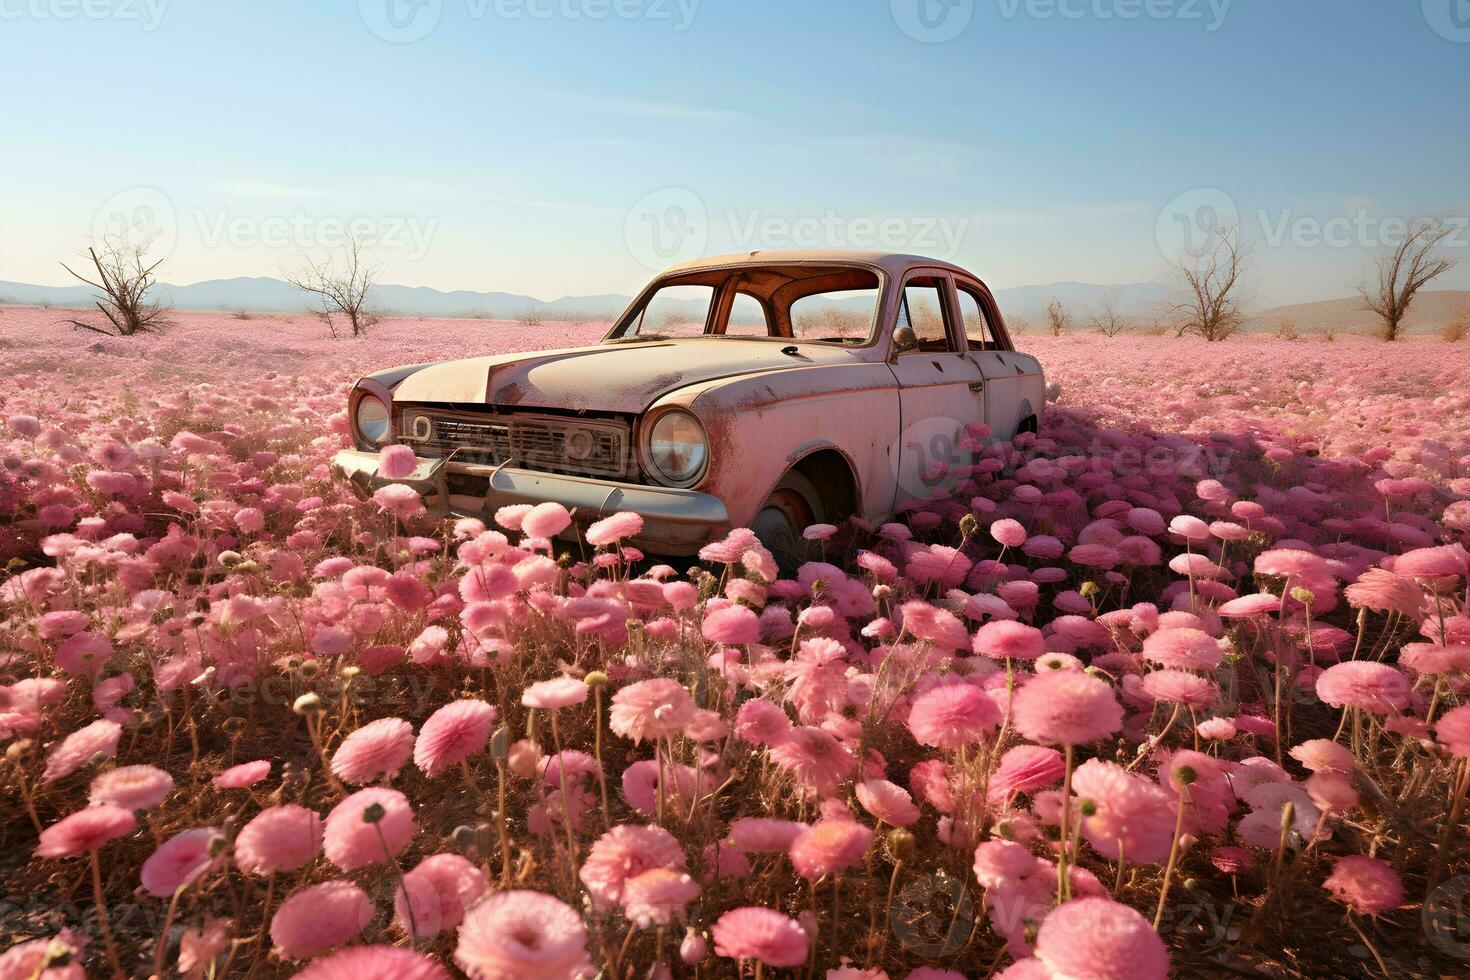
{"points": [[940, 388], [989, 349]]}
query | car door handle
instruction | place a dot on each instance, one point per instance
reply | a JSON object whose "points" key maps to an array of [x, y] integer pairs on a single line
{"points": [[977, 385]]}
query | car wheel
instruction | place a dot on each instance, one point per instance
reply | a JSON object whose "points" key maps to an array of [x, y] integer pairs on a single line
{"points": [[792, 507]]}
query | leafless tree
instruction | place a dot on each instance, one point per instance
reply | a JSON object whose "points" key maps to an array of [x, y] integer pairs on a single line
{"points": [[1211, 283], [1406, 268], [1108, 321], [341, 289], [124, 277], [1057, 317]]}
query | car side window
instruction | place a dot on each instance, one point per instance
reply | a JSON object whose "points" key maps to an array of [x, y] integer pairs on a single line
{"points": [[978, 333], [919, 327], [747, 318]]}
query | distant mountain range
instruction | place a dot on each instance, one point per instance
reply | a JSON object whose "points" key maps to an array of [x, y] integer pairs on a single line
{"points": [[267, 295], [1022, 305]]}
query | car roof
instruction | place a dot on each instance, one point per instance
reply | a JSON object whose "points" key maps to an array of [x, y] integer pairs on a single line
{"points": [[894, 263]]}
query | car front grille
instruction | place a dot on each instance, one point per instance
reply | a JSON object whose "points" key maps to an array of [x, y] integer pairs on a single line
{"points": [[580, 447]]}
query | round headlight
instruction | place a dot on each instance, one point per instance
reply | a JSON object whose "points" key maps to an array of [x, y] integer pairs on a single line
{"points": [[372, 420], [677, 447]]}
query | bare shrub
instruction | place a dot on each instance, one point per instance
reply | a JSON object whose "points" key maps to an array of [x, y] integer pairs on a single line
{"points": [[1329, 334], [124, 276], [1406, 268], [341, 290], [529, 318], [1108, 321], [1211, 282], [244, 315], [1286, 329], [1057, 317], [1457, 329]]}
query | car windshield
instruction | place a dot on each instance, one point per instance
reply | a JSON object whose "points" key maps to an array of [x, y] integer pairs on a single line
{"points": [[821, 305]]}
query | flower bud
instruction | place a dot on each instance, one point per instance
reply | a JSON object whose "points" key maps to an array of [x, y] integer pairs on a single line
{"points": [[693, 947], [901, 843], [500, 744], [307, 704], [596, 678]]}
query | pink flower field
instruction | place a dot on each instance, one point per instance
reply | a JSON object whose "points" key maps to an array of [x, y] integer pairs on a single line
{"points": [[1176, 687]]}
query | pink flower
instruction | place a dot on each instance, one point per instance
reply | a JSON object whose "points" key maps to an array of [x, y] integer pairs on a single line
{"points": [[1447, 560], [95, 741], [1385, 591], [1366, 885], [755, 933], [396, 461], [318, 917], [1182, 648], [280, 838], [523, 935], [625, 852], [1065, 707], [400, 500], [452, 734], [1453, 730], [439, 890], [369, 826], [374, 963], [1180, 687], [132, 787], [1216, 729], [759, 834], [545, 520], [27, 961], [1367, 684], [1325, 755], [760, 722], [887, 801], [1008, 532], [733, 624], [939, 627], [378, 749], [817, 760], [1249, 606], [181, 859], [86, 830], [1025, 769], [952, 716], [651, 709], [1101, 939], [244, 775], [658, 896], [623, 524], [829, 847], [559, 692], [1009, 640], [1124, 809]]}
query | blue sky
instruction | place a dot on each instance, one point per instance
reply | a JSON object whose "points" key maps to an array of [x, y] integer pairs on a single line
{"points": [[555, 147]]}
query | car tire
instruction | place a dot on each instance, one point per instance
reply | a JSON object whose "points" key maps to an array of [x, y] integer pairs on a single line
{"points": [[792, 507]]}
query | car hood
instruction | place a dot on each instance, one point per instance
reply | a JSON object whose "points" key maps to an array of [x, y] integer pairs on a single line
{"points": [[605, 378]]}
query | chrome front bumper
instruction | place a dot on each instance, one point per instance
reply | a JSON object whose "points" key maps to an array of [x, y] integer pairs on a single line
{"points": [[675, 522]]}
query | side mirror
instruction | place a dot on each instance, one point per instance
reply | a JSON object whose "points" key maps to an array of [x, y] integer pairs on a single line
{"points": [[904, 339]]}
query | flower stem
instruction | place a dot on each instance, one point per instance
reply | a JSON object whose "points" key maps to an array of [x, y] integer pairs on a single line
{"points": [[103, 921]]}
